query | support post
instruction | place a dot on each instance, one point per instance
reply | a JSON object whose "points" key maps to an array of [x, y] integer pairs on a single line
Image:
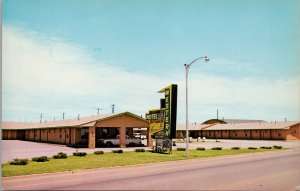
{"points": [[92, 138], [122, 137]]}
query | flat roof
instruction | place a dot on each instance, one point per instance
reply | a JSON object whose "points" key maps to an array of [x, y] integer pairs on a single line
{"points": [[248, 126], [193, 127]]}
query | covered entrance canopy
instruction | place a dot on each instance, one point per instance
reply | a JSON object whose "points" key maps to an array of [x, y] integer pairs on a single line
{"points": [[117, 126]]}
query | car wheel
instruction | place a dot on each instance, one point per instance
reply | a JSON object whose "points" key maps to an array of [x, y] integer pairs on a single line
{"points": [[109, 144]]}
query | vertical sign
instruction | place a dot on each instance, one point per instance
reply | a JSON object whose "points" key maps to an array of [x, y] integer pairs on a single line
{"points": [[170, 110]]}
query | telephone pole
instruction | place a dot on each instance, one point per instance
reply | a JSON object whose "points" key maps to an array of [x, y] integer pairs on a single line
{"points": [[113, 108]]}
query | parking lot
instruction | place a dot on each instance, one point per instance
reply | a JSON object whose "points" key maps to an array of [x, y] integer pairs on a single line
{"points": [[25, 149]]}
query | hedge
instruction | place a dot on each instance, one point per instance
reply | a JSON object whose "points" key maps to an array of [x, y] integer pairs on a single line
{"points": [[266, 147], [60, 155], [139, 150], [79, 154], [98, 152], [180, 149], [40, 159], [19, 162], [216, 148], [235, 148], [277, 147], [117, 151], [252, 148], [200, 148]]}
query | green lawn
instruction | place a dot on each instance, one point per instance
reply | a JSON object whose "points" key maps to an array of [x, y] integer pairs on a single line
{"points": [[110, 160]]}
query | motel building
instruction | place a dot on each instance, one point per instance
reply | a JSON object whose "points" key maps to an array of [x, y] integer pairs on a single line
{"points": [[89, 131], [80, 132], [242, 129]]}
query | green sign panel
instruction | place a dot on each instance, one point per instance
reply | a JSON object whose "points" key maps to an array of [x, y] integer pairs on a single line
{"points": [[164, 119]]}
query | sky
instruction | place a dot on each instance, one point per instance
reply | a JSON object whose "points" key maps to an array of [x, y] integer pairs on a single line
{"points": [[72, 57]]}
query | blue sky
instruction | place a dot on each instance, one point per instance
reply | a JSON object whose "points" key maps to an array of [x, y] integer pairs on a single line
{"points": [[73, 56]]}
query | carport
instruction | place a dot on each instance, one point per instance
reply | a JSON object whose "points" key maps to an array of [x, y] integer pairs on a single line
{"points": [[114, 125]]}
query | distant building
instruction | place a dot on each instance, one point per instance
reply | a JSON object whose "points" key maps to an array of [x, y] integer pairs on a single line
{"points": [[243, 129]]}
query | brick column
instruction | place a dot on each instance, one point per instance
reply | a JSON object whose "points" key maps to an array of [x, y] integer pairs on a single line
{"points": [[149, 139], [92, 142], [122, 137]]}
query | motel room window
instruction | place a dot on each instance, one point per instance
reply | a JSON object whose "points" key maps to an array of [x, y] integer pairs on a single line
{"points": [[60, 136], [246, 134], [84, 133], [279, 134]]}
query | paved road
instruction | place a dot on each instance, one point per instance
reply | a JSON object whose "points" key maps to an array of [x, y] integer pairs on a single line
{"points": [[277, 170]]}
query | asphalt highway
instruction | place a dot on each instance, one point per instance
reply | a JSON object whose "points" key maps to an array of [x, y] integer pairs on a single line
{"points": [[279, 170]]}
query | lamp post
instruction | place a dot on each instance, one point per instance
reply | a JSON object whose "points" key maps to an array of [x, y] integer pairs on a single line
{"points": [[187, 67]]}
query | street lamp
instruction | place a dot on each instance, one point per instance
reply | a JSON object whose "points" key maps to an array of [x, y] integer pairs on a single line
{"points": [[187, 67]]}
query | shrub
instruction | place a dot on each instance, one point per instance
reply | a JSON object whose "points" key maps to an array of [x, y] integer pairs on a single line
{"points": [[200, 148], [277, 147], [60, 155], [235, 148], [252, 148], [266, 147], [181, 149], [139, 150], [19, 162], [117, 151], [216, 148], [79, 154], [98, 152], [40, 159]]}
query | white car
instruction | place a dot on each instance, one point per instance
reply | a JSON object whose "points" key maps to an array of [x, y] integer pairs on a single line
{"points": [[111, 142], [139, 135]]}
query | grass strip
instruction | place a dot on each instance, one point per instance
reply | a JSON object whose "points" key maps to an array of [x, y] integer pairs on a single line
{"points": [[91, 161]]}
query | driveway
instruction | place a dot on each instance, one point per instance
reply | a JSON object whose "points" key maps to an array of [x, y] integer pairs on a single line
{"points": [[12, 149], [25, 149]]}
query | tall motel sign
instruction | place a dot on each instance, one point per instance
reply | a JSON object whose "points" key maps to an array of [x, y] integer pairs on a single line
{"points": [[163, 120]]}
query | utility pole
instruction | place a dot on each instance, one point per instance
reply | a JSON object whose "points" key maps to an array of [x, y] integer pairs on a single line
{"points": [[217, 114], [41, 117], [98, 110], [113, 108], [63, 116]]}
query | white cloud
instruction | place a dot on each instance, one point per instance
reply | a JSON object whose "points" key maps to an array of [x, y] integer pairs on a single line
{"points": [[52, 76]]}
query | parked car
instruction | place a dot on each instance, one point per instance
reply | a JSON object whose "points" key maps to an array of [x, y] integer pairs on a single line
{"points": [[139, 135], [116, 141]]}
